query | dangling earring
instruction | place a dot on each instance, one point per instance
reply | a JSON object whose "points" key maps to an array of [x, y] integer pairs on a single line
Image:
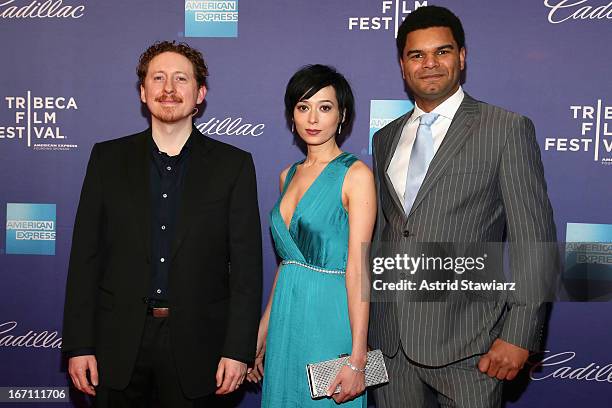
{"points": [[292, 127], [195, 111], [340, 128]]}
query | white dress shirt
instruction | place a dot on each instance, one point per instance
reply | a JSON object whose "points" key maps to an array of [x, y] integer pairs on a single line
{"points": [[398, 167]]}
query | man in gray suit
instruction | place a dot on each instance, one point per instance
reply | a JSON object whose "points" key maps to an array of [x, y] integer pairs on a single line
{"points": [[456, 170]]}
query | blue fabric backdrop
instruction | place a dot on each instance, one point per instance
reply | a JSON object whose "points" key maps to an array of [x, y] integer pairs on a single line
{"points": [[68, 80]]}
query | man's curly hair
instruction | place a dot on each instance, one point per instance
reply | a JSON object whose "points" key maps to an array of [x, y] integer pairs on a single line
{"points": [[197, 60]]}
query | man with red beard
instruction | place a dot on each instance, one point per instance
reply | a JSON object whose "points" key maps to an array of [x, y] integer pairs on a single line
{"points": [[152, 311]]}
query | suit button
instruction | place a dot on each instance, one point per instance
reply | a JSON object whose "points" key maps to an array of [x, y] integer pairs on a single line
{"points": [[406, 233]]}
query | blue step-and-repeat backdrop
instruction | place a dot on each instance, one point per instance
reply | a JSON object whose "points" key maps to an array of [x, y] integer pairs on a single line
{"points": [[68, 80]]}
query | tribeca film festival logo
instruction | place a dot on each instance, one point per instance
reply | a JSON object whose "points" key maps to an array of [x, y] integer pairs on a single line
{"points": [[383, 112], [564, 10], [393, 13], [595, 134], [40, 9], [35, 121], [30, 229], [211, 18], [30, 339]]}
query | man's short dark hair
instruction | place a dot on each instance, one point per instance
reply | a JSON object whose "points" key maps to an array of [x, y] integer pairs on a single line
{"points": [[309, 80], [427, 17], [194, 56]]}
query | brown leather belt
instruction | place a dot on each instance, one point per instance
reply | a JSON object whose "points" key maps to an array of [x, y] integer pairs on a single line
{"points": [[159, 311]]}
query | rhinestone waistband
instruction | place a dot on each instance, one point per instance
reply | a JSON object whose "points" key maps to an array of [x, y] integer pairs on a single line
{"points": [[312, 267]]}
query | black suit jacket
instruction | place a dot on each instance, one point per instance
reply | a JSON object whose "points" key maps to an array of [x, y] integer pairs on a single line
{"points": [[215, 277]]}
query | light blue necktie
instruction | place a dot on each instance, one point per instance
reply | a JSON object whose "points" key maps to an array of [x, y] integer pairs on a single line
{"points": [[420, 157]]}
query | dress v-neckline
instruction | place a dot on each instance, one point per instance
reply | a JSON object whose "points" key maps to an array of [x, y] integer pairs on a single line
{"points": [[288, 183]]}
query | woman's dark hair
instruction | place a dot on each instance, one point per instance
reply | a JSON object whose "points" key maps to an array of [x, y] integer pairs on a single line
{"points": [[309, 80], [427, 17]]}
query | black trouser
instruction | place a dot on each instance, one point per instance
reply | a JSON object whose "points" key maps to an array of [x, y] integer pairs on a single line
{"points": [[154, 381]]}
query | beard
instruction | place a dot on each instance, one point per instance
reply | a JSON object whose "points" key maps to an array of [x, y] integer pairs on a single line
{"points": [[168, 114]]}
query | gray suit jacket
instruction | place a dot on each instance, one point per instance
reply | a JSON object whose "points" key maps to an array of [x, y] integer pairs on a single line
{"points": [[485, 184]]}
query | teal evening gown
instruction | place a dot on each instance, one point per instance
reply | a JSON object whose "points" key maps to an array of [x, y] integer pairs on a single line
{"points": [[309, 320]]}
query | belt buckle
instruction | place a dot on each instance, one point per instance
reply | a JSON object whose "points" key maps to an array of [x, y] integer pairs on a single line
{"points": [[160, 311]]}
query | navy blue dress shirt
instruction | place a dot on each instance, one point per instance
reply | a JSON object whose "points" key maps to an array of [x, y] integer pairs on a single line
{"points": [[167, 174]]}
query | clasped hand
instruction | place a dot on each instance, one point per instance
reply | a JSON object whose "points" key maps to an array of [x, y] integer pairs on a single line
{"points": [[230, 375], [255, 374], [351, 382], [503, 361]]}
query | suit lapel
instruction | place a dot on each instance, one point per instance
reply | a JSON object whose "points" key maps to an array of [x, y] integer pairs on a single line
{"points": [[138, 170], [396, 133], [455, 138], [197, 171]]}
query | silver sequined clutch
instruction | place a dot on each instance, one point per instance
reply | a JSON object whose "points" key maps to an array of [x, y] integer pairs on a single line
{"points": [[322, 374]]}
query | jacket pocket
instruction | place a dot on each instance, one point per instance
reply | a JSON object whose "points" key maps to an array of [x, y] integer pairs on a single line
{"points": [[467, 167]]}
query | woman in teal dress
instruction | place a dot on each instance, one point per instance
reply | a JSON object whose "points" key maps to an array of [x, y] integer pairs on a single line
{"points": [[318, 308]]}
